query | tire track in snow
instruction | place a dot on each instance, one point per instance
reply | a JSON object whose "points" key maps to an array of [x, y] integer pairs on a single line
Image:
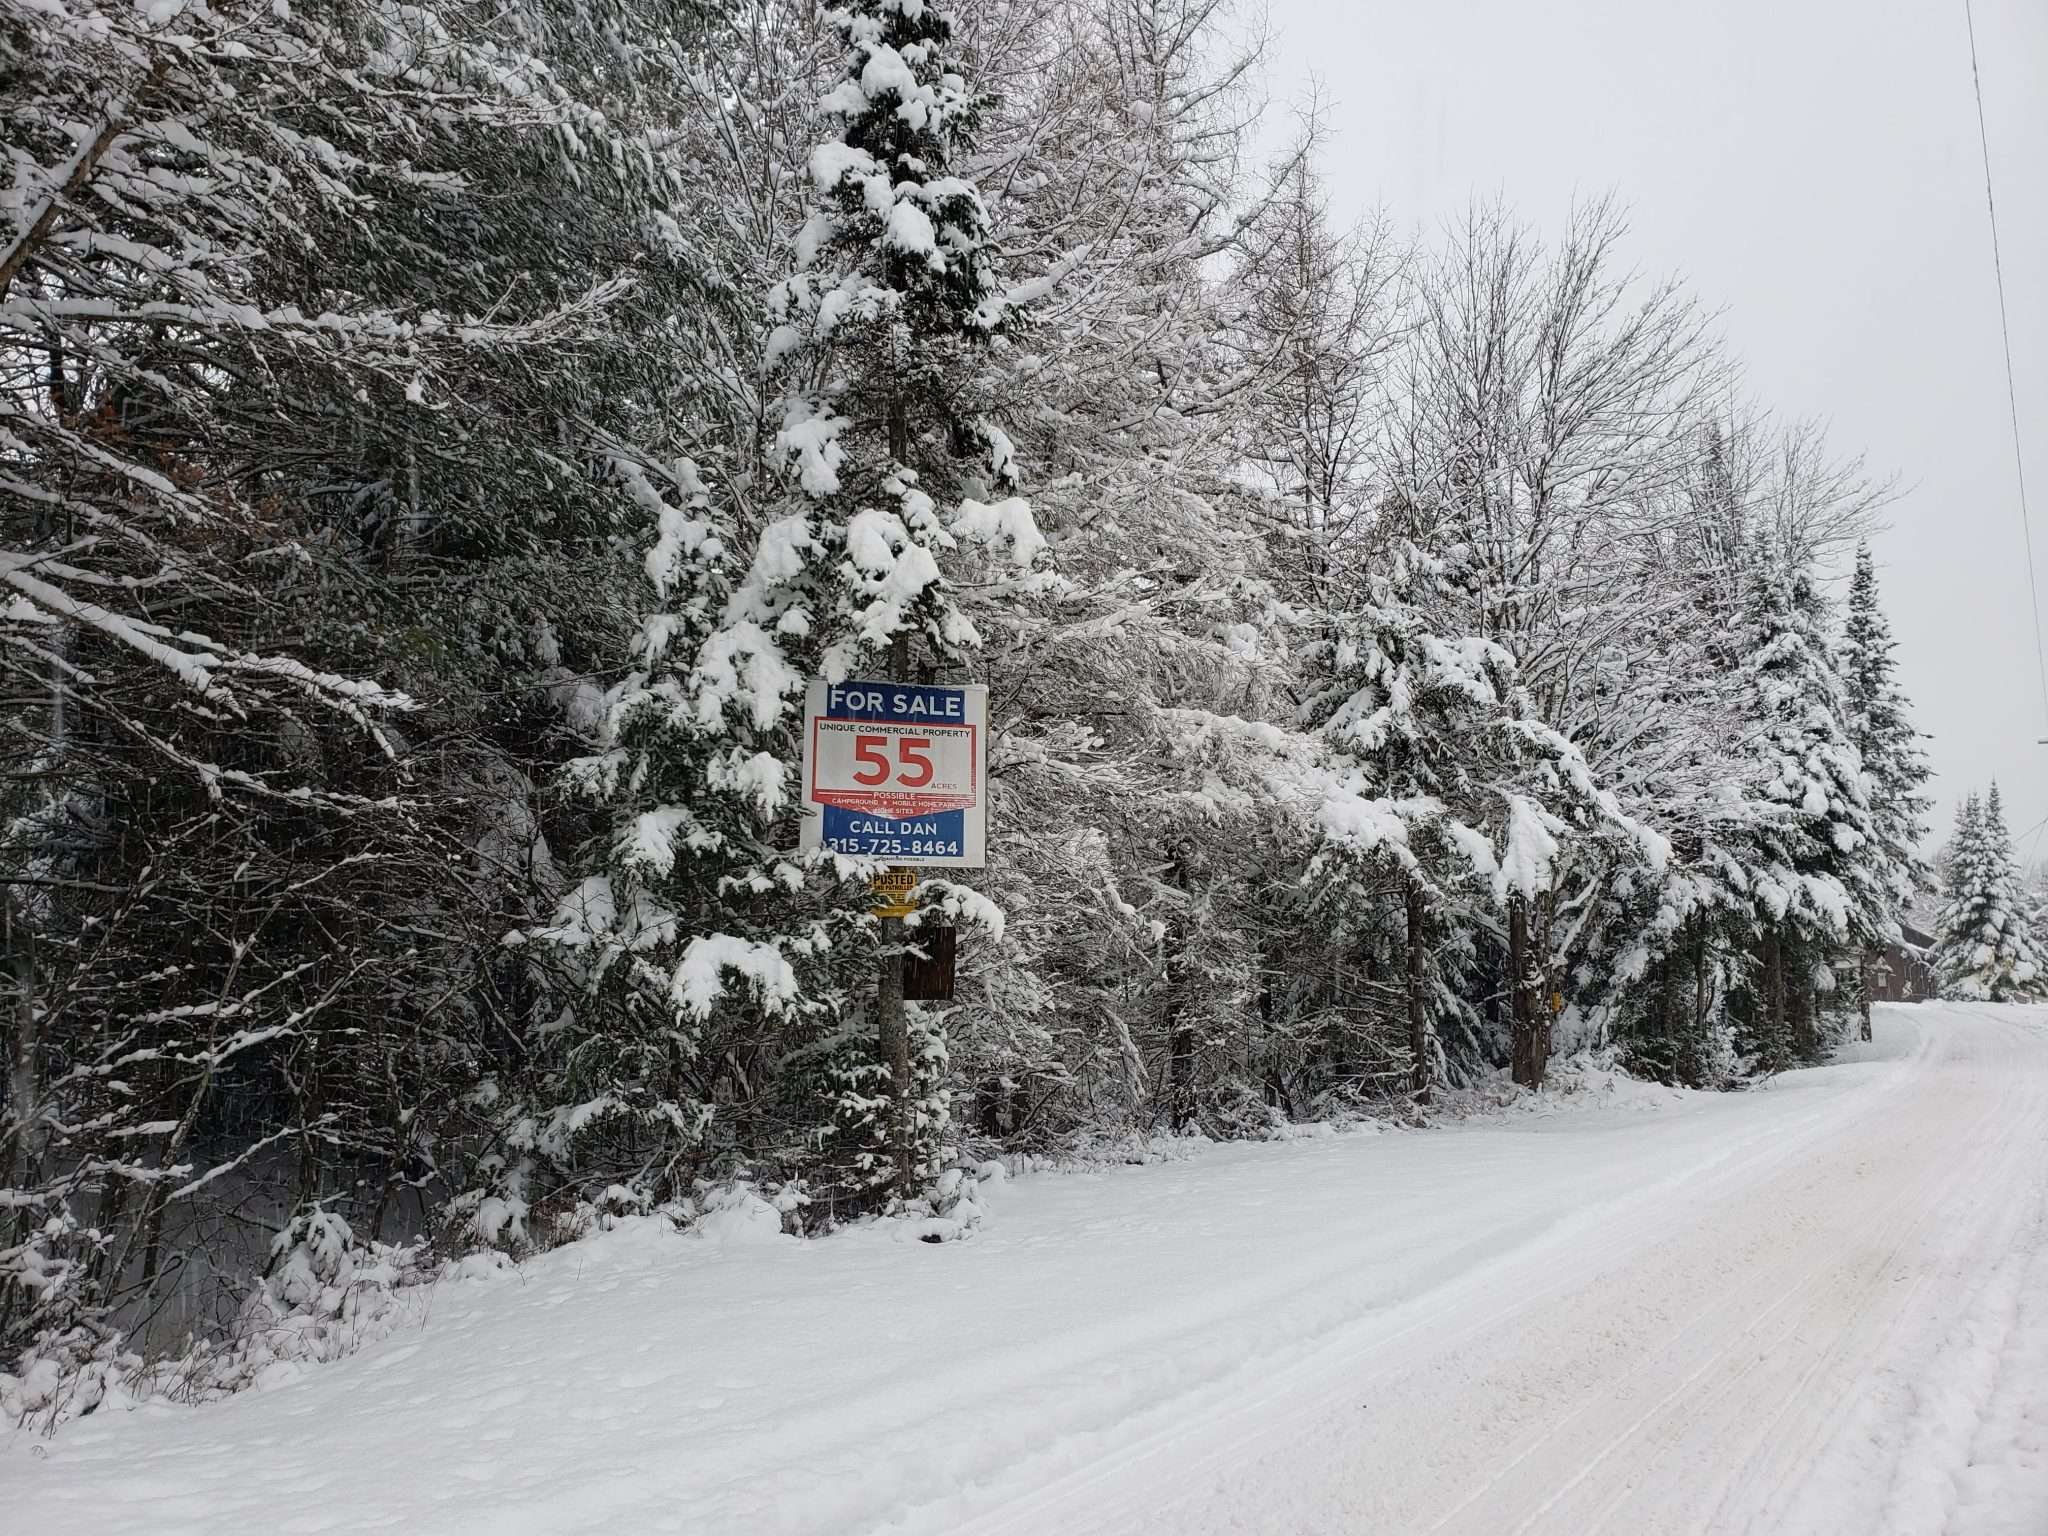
{"points": [[1866, 1319], [1467, 1308], [1740, 1324], [1814, 1353], [1794, 1318], [1751, 1324], [1270, 1387]]}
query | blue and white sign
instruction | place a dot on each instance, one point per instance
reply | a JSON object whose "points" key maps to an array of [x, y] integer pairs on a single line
{"points": [[897, 771]]}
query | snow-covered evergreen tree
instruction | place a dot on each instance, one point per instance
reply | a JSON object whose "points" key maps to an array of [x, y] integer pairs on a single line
{"points": [[891, 468], [2034, 898], [1407, 712], [1456, 788], [1894, 767], [1812, 883], [1147, 684], [699, 944], [1663, 956], [301, 529], [1984, 950]]}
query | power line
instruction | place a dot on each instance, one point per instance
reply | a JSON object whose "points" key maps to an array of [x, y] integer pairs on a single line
{"points": [[2012, 399]]}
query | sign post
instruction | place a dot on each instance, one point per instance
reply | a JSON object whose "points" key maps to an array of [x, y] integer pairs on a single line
{"points": [[897, 771]]}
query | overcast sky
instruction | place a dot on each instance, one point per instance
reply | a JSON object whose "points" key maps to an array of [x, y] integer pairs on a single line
{"points": [[1812, 168]]}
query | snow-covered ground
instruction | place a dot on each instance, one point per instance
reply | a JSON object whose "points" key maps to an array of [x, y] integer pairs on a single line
{"points": [[1820, 1307]]}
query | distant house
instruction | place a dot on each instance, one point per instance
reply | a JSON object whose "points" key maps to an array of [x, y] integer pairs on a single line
{"points": [[1902, 973]]}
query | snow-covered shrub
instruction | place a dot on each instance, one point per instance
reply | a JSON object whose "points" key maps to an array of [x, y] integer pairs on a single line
{"points": [[325, 1295], [736, 1213], [68, 1362], [1237, 1111], [790, 1203], [956, 1207], [66, 1374], [615, 1204]]}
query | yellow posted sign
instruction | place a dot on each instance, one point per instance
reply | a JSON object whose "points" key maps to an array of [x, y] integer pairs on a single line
{"points": [[892, 890]]}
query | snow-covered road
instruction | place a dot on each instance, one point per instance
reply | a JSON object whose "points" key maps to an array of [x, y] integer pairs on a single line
{"points": [[1821, 1307]]}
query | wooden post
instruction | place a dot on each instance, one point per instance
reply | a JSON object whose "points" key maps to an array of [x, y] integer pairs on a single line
{"points": [[892, 1029], [891, 1025], [1418, 1019]]}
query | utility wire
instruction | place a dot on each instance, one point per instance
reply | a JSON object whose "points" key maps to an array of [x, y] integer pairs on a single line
{"points": [[2035, 831], [2012, 399]]}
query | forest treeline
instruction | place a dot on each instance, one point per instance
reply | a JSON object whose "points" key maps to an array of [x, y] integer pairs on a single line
{"points": [[438, 443]]}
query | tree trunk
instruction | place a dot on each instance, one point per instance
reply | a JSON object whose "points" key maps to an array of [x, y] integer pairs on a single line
{"points": [[1664, 988], [22, 1107], [1697, 1042], [1799, 1009], [1180, 1034], [1180, 1056], [1180, 1047], [1863, 992], [1775, 1038], [1419, 1052], [1527, 1029]]}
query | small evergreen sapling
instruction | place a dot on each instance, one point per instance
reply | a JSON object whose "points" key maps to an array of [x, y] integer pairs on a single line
{"points": [[699, 943]]}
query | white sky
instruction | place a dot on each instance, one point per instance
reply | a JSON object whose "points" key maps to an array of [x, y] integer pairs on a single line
{"points": [[1812, 168]]}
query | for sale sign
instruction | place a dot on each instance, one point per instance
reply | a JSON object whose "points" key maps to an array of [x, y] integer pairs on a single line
{"points": [[896, 771]]}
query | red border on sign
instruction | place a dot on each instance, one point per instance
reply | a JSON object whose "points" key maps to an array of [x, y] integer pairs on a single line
{"points": [[898, 805]]}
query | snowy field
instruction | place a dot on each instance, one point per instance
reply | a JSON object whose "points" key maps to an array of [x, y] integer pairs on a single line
{"points": [[1821, 1307]]}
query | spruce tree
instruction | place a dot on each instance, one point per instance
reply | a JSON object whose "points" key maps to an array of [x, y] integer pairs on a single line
{"points": [[1894, 768], [698, 942], [1404, 724], [1812, 886], [715, 972], [885, 447], [1984, 950]]}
